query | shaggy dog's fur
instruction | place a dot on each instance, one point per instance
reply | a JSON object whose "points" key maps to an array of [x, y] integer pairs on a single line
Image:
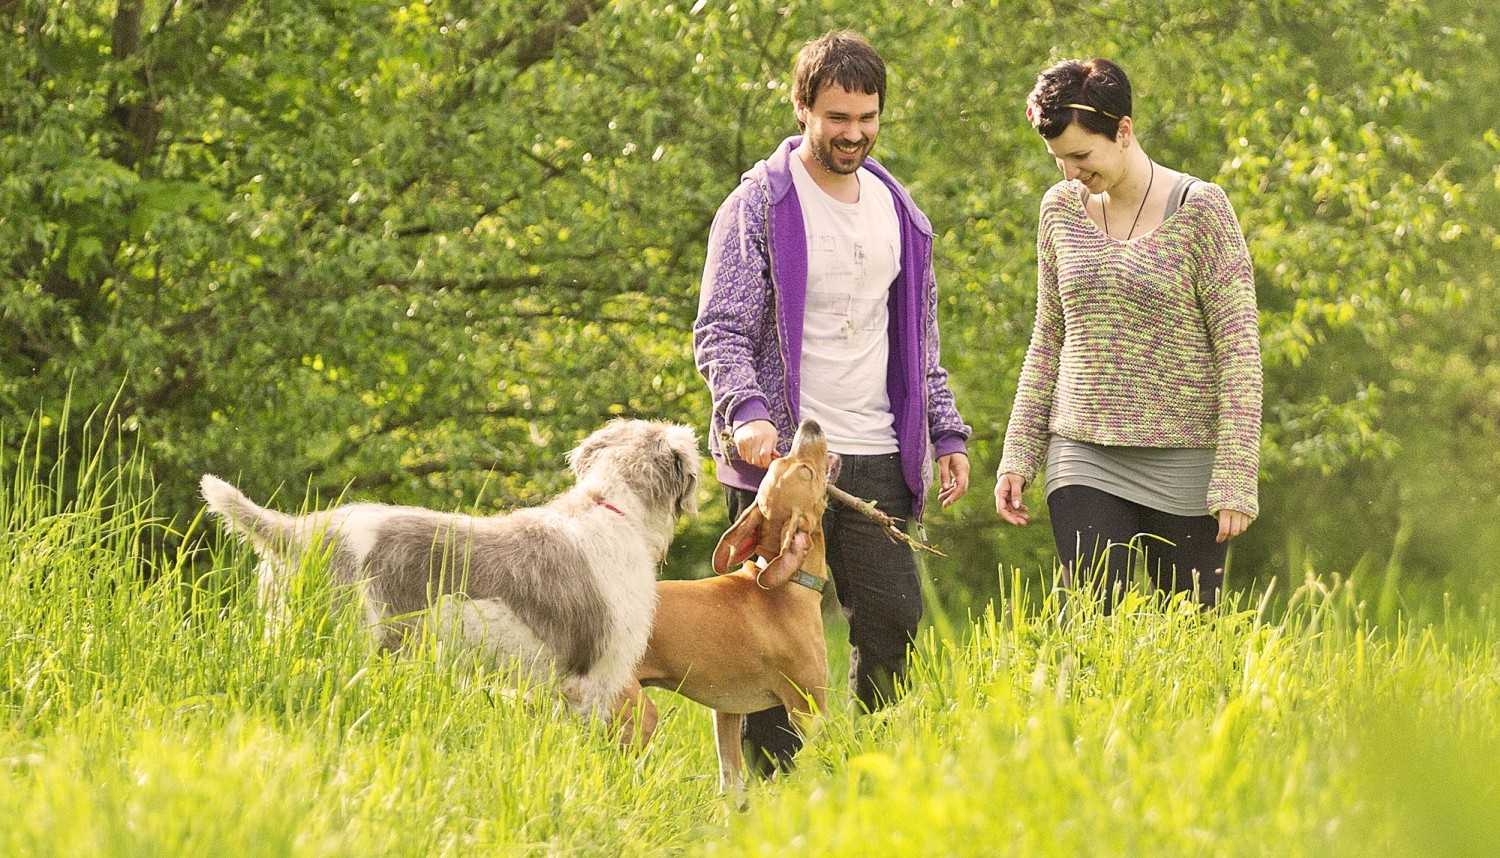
{"points": [[569, 585]]}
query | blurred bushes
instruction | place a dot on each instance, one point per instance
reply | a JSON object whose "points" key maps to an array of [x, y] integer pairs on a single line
{"points": [[423, 248]]}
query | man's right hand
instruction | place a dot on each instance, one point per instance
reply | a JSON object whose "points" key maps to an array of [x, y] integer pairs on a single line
{"points": [[755, 442], [1008, 503]]}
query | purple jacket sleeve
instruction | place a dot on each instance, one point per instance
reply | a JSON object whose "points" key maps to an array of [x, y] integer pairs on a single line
{"points": [[947, 429], [734, 307]]}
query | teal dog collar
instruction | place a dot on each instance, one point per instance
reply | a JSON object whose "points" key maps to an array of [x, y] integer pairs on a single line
{"points": [[811, 582]]}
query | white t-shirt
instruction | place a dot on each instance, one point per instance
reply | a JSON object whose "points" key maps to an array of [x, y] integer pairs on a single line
{"points": [[853, 255]]}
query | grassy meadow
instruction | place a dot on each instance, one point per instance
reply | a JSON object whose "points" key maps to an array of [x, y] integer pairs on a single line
{"points": [[148, 711]]}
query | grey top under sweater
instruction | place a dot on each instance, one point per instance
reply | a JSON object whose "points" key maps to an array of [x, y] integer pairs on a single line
{"points": [[1170, 479]]}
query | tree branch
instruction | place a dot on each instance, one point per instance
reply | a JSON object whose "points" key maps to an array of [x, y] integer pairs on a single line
{"points": [[888, 523], [544, 39], [537, 47], [488, 284], [141, 121], [406, 421], [549, 172], [28, 345], [764, 57], [166, 16]]}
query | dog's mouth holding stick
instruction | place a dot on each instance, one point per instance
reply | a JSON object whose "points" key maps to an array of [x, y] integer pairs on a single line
{"points": [[889, 524], [787, 514], [751, 637]]}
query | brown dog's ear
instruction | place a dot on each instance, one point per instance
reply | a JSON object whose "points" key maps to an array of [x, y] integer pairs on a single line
{"points": [[739, 541], [794, 545]]}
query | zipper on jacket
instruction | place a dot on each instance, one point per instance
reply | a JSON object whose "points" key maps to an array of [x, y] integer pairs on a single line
{"points": [[927, 445], [786, 384]]}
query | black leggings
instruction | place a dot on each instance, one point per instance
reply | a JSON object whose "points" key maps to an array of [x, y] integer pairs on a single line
{"points": [[1108, 537]]}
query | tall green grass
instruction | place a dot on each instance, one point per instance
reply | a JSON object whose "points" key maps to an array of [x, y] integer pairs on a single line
{"points": [[148, 710]]}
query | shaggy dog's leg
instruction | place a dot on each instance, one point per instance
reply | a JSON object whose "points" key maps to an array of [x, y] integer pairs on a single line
{"points": [[489, 627], [271, 597]]}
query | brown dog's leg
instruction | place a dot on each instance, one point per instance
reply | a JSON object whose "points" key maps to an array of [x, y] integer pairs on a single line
{"points": [[727, 730], [802, 712], [634, 717]]}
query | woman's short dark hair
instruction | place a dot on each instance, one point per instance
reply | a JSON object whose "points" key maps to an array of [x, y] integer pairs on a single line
{"points": [[1097, 84], [840, 57]]}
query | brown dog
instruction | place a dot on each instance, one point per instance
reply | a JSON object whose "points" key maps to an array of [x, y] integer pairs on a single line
{"points": [[749, 639]]}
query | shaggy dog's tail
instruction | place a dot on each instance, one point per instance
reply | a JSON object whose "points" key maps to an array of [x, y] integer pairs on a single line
{"points": [[263, 527]]}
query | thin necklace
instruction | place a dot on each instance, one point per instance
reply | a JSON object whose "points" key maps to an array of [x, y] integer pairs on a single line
{"points": [[1104, 209]]}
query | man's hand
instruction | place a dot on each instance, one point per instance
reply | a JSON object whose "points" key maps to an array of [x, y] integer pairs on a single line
{"points": [[953, 477], [1232, 523], [755, 442], [1008, 503]]}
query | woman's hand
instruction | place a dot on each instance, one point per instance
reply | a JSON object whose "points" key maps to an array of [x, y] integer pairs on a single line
{"points": [[1232, 523], [1008, 503]]}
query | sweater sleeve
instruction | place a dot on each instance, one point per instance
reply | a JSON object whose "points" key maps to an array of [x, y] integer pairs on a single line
{"points": [[733, 305], [946, 429], [1026, 435], [1226, 296]]}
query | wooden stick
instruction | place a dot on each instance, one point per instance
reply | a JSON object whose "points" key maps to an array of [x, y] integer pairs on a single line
{"points": [[889, 523]]}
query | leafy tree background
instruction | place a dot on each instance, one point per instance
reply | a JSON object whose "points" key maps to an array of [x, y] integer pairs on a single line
{"points": [[419, 249]]}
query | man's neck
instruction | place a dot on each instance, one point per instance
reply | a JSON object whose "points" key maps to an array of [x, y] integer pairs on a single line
{"points": [[843, 187]]}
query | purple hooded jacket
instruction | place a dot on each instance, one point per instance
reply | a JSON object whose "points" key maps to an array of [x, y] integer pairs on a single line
{"points": [[747, 339]]}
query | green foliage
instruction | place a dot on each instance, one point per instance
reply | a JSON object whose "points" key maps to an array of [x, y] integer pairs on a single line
{"points": [[421, 248]]}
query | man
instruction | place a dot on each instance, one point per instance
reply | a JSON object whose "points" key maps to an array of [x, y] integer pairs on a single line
{"points": [[819, 301]]}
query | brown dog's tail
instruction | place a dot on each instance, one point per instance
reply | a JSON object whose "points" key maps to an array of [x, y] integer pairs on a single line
{"points": [[263, 527]]}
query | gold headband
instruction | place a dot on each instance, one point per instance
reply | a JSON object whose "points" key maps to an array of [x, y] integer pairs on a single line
{"points": [[1092, 109]]}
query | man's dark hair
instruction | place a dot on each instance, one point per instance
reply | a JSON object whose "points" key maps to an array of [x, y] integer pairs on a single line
{"points": [[840, 57], [1098, 84]]}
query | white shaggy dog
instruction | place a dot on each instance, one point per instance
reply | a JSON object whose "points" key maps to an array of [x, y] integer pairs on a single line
{"points": [[569, 585]]}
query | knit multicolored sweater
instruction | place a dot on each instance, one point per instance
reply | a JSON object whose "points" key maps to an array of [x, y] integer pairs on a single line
{"points": [[1151, 342]]}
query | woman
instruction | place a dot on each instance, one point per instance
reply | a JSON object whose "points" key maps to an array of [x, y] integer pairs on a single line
{"points": [[1141, 389]]}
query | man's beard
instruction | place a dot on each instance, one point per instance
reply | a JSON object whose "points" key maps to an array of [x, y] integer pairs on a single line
{"points": [[824, 150]]}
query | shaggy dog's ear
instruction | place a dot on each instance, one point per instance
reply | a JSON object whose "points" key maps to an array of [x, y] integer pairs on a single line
{"points": [[687, 498], [582, 457], [682, 446], [738, 542]]}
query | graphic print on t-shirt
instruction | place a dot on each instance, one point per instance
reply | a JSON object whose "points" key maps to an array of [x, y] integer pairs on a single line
{"points": [[853, 257]]}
